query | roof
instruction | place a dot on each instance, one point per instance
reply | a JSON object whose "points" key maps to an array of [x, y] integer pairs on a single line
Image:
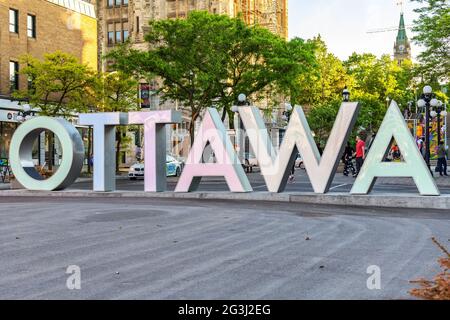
{"points": [[401, 35], [77, 6]]}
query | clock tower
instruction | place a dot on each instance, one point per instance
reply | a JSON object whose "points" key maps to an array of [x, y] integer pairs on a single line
{"points": [[402, 46]]}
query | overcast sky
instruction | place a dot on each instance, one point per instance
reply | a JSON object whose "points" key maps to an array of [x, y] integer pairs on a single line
{"points": [[343, 24]]}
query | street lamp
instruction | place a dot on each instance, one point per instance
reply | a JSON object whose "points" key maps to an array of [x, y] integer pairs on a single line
{"points": [[287, 112], [242, 101], [425, 102], [25, 114], [345, 95], [439, 110]]}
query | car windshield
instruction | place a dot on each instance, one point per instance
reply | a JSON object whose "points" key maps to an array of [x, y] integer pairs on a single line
{"points": [[170, 159]]}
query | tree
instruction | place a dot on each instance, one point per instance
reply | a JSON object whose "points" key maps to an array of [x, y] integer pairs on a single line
{"points": [[326, 78], [116, 92], [208, 60], [432, 30], [58, 86]]}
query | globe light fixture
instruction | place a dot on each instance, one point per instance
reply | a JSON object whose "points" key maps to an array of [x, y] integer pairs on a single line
{"points": [[421, 103], [433, 114], [427, 90], [345, 95], [242, 98], [434, 102]]}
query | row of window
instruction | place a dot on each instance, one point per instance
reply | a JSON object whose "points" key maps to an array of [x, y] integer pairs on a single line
{"points": [[117, 32], [14, 23], [14, 77], [117, 3]]}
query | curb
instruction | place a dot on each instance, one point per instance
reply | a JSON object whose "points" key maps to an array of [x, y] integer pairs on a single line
{"points": [[412, 201]]}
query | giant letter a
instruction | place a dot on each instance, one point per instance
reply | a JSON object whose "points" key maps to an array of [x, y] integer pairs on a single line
{"points": [[227, 163], [394, 126]]}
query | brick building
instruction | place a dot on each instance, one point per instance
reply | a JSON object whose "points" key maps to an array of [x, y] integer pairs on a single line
{"points": [[36, 27]]}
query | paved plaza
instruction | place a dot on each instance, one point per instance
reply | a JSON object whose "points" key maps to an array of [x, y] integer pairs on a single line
{"points": [[192, 249]]}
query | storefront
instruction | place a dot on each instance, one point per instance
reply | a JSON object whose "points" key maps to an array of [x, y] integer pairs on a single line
{"points": [[8, 124]]}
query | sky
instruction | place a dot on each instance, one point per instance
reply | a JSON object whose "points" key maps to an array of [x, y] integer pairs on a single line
{"points": [[343, 24]]}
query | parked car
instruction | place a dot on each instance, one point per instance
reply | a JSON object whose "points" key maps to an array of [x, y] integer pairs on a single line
{"points": [[173, 168], [299, 161]]}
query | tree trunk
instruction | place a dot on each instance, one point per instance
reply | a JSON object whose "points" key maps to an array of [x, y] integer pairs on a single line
{"points": [[192, 131], [119, 141]]}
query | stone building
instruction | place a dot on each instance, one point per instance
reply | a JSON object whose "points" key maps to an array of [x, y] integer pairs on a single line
{"points": [[37, 27], [123, 19], [119, 20]]}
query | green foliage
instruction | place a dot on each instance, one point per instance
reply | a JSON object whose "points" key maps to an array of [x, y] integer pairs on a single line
{"points": [[60, 84], [432, 30], [325, 81], [208, 60]]}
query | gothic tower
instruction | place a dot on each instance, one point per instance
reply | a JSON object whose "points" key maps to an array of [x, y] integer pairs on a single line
{"points": [[402, 46]]}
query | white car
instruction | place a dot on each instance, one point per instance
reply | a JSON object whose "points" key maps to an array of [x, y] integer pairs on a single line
{"points": [[173, 168], [299, 162]]}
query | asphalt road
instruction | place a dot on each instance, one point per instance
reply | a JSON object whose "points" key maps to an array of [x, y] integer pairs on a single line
{"points": [[301, 184], [174, 249]]}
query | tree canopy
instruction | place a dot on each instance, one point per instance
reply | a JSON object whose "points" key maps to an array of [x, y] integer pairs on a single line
{"points": [[208, 60]]}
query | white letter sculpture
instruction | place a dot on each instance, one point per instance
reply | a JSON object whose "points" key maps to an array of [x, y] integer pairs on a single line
{"points": [[104, 125], [275, 166], [21, 155], [154, 145], [228, 165], [394, 126]]}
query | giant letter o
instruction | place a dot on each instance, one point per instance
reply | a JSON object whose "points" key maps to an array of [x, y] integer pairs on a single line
{"points": [[20, 154]]}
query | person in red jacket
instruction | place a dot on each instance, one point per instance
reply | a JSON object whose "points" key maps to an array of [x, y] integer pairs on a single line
{"points": [[360, 153]]}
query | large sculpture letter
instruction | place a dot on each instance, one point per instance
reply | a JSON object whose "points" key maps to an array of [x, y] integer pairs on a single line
{"points": [[394, 126], [213, 131], [104, 125], [275, 166], [21, 159], [155, 145]]}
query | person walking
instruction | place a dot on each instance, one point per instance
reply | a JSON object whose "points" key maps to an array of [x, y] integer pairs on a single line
{"points": [[347, 159], [360, 153], [442, 159]]}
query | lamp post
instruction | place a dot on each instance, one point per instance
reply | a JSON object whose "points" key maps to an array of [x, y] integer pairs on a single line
{"points": [[287, 112], [425, 102], [242, 101], [345, 95], [25, 114], [439, 110]]}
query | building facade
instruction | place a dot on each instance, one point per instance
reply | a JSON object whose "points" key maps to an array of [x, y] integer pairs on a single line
{"points": [[123, 19], [402, 46], [37, 27]]}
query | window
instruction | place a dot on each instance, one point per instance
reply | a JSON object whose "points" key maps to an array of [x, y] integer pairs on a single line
{"points": [[110, 38], [118, 36], [13, 20], [110, 3], [110, 34], [125, 2], [14, 75], [31, 26], [118, 33], [118, 2], [125, 33], [137, 24]]}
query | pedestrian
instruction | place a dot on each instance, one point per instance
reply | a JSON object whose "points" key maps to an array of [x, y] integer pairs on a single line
{"points": [[360, 153], [420, 144], [347, 159], [442, 159], [292, 174]]}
